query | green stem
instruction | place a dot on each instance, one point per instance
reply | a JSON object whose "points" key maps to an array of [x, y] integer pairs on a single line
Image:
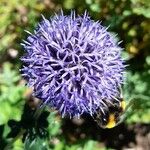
{"points": [[38, 111]]}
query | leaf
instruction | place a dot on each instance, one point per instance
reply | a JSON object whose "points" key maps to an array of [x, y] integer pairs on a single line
{"points": [[5, 111], [37, 144], [54, 125], [11, 94], [89, 145]]}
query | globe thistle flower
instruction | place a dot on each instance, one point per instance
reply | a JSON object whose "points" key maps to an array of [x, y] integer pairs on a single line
{"points": [[74, 64]]}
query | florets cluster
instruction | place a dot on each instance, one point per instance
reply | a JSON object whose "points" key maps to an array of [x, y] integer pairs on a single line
{"points": [[73, 64]]}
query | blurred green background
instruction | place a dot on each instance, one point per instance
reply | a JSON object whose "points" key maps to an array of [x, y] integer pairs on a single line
{"points": [[130, 19]]}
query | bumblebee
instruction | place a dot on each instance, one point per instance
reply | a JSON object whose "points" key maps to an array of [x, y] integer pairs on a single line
{"points": [[113, 115]]}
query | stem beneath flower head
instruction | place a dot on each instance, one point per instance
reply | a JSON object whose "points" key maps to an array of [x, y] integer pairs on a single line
{"points": [[38, 111]]}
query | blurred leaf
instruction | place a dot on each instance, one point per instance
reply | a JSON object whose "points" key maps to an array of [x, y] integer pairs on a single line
{"points": [[8, 76], [69, 4], [89, 145], [16, 14], [54, 125], [141, 7], [18, 145], [95, 7], [59, 146], [11, 94], [148, 60], [37, 144], [5, 112], [137, 89]]}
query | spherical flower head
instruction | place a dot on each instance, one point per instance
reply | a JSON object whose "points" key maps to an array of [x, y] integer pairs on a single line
{"points": [[73, 64]]}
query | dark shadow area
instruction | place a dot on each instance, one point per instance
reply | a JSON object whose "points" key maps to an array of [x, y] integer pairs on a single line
{"points": [[120, 137]]}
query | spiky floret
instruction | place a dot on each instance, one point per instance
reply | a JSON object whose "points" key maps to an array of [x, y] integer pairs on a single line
{"points": [[74, 64]]}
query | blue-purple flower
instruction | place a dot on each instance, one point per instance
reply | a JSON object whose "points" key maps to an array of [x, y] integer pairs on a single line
{"points": [[74, 64]]}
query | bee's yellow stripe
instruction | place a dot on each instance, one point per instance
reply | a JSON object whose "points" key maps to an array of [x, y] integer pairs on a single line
{"points": [[111, 121], [123, 105]]}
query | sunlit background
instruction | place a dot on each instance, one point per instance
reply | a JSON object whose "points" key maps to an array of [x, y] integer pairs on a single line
{"points": [[130, 20]]}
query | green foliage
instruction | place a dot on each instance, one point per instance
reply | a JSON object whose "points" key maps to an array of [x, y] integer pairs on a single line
{"points": [[137, 90], [54, 124], [11, 94], [141, 7], [16, 15], [37, 144]]}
